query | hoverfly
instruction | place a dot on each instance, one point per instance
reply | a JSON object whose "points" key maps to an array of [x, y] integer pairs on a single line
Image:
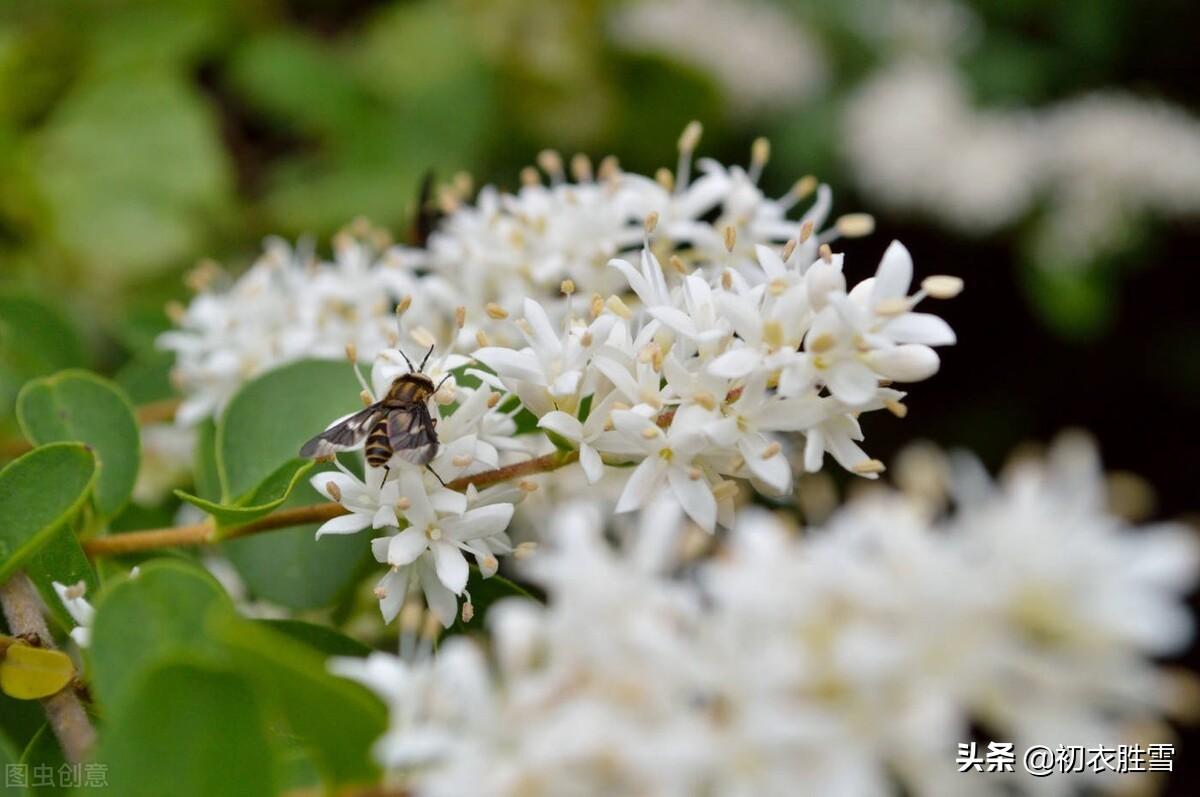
{"points": [[398, 424]]}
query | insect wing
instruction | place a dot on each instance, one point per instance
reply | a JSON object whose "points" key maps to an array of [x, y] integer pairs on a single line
{"points": [[343, 435], [411, 434]]}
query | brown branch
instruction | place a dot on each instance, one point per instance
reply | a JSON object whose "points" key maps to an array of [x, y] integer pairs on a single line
{"points": [[548, 462], [206, 533], [154, 412], [64, 712]]}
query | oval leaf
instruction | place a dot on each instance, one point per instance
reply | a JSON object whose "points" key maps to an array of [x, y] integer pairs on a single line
{"points": [[272, 416], [146, 620], [188, 730], [293, 568], [40, 492], [81, 407], [339, 720], [29, 673]]}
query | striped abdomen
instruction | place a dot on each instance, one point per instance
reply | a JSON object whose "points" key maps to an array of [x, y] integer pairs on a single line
{"points": [[378, 448]]}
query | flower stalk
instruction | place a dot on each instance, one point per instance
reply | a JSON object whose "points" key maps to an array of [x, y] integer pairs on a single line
{"points": [[207, 533], [64, 712]]}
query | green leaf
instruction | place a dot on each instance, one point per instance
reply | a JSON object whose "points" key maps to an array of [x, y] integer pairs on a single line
{"points": [[131, 167], [43, 751], [9, 757], [82, 407], [146, 620], [207, 479], [321, 638], [188, 730], [293, 568], [272, 416], [40, 492], [268, 496], [35, 339], [61, 559], [147, 377], [337, 719]]}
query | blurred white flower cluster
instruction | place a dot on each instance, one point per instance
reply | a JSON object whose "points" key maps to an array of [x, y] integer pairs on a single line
{"points": [[1091, 166], [844, 660], [795, 70], [289, 305]]}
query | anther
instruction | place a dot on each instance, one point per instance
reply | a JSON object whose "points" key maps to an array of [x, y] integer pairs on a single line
{"points": [[581, 168], [806, 231], [942, 286], [551, 163], [618, 307], [804, 186], [690, 138], [855, 225], [495, 311], [895, 408]]}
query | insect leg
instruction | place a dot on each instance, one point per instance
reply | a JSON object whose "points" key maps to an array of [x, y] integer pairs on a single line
{"points": [[435, 474]]}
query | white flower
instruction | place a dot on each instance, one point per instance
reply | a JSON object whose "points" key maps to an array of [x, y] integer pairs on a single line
{"points": [[371, 503], [670, 456], [432, 703], [583, 434], [430, 549], [81, 611]]}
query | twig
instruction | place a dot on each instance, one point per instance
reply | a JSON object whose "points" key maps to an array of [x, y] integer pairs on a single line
{"points": [[64, 712], [206, 533]]}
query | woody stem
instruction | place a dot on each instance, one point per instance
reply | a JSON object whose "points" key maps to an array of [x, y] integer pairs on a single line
{"points": [[206, 532]]}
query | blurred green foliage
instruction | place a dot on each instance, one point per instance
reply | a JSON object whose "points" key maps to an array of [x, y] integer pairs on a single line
{"points": [[137, 137]]}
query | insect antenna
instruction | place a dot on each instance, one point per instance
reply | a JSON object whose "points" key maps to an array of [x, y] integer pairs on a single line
{"points": [[405, 356], [431, 345], [439, 384]]}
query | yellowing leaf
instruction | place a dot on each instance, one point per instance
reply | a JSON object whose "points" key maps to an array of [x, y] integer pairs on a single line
{"points": [[29, 673]]}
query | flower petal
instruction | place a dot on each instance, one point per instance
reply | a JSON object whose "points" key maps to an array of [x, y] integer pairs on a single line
{"points": [[451, 565], [405, 547], [441, 601], [483, 521], [641, 484], [852, 382], [924, 328], [593, 466], [894, 274], [344, 524], [695, 497], [561, 423]]}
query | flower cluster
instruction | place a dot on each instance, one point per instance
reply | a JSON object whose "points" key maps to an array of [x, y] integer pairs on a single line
{"points": [[484, 258], [289, 305], [846, 661], [749, 346]]}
